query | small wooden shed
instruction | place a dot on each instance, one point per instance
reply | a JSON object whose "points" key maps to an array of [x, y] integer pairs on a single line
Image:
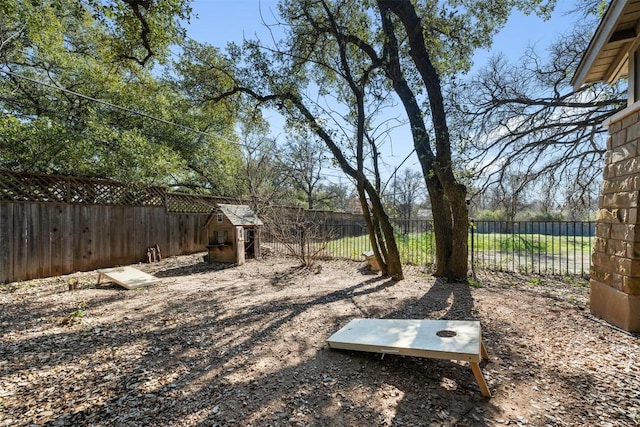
{"points": [[234, 234]]}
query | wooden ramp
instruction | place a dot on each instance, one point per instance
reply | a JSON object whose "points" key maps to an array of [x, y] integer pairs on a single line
{"points": [[436, 339], [127, 277]]}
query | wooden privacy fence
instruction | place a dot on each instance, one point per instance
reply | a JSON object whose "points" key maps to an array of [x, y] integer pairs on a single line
{"points": [[53, 225]]}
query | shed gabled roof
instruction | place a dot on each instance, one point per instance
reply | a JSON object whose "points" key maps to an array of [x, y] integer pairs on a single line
{"points": [[240, 214], [607, 57]]}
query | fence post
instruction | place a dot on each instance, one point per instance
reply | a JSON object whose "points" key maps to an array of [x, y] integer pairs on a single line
{"points": [[472, 226]]}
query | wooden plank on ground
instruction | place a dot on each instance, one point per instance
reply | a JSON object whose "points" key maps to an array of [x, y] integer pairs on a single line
{"points": [[127, 277]]}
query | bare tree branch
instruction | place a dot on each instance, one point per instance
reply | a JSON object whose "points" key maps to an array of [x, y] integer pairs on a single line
{"points": [[528, 114]]}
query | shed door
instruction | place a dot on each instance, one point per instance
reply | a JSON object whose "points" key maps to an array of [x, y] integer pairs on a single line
{"points": [[249, 243]]}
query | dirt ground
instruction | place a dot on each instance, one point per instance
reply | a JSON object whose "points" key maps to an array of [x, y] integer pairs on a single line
{"points": [[219, 345]]}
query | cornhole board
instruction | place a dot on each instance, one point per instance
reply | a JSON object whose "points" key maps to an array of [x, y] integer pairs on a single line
{"points": [[435, 339], [127, 277]]}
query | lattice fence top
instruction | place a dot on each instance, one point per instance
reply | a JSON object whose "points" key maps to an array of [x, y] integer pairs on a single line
{"points": [[177, 202], [28, 187]]}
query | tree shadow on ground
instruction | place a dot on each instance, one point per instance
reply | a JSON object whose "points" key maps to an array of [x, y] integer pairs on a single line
{"points": [[510, 370], [187, 270], [168, 349], [445, 300], [198, 359]]}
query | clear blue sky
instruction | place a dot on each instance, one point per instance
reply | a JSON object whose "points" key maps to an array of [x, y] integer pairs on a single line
{"points": [[222, 21]]}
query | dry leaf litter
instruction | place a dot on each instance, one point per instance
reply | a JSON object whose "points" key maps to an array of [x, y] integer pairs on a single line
{"points": [[224, 345]]}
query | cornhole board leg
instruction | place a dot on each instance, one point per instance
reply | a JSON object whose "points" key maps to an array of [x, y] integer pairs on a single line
{"points": [[482, 383], [483, 351], [127, 277], [435, 339]]}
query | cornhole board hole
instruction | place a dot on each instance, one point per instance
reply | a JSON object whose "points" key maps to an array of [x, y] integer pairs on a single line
{"points": [[435, 339], [127, 277]]}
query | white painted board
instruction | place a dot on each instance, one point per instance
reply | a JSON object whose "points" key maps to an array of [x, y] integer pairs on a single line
{"points": [[412, 337], [127, 277]]}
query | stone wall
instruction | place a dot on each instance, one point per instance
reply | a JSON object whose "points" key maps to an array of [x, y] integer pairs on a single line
{"points": [[615, 270]]}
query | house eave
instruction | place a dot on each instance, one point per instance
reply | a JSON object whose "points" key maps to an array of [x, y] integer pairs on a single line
{"points": [[609, 47]]}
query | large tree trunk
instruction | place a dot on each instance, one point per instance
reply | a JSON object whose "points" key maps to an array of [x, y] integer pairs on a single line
{"points": [[450, 224], [459, 258], [448, 197], [442, 226], [392, 258], [383, 242]]}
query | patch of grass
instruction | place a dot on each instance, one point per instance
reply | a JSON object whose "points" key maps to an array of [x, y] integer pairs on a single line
{"points": [[474, 283], [79, 312], [414, 248], [534, 281], [419, 248], [349, 247], [531, 243], [526, 244], [574, 280]]}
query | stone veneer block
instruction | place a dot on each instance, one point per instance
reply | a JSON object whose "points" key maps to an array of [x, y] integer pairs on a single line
{"points": [[633, 250], [629, 120], [615, 247], [600, 245], [616, 307], [617, 139], [633, 132], [626, 167], [609, 171], [603, 230], [624, 152], [628, 267], [609, 215], [631, 285], [601, 275], [623, 183], [622, 232], [620, 200], [615, 128]]}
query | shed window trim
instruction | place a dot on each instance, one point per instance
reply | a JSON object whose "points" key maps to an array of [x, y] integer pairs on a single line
{"points": [[220, 217]]}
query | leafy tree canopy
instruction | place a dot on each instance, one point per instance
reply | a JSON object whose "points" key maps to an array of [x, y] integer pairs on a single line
{"points": [[79, 97]]}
